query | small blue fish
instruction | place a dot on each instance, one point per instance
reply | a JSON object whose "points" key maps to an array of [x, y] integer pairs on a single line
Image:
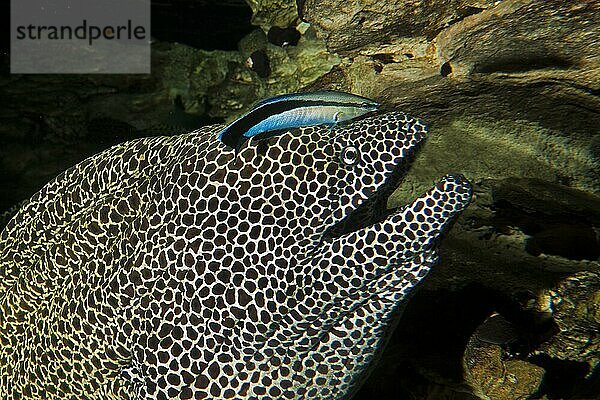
{"points": [[295, 110]]}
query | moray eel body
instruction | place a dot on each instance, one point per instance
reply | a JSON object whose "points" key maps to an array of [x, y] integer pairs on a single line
{"points": [[295, 110], [166, 268]]}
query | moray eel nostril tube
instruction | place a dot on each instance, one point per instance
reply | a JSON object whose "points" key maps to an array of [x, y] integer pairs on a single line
{"points": [[165, 268]]}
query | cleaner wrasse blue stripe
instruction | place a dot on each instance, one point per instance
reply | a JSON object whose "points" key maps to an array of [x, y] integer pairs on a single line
{"points": [[293, 111]]}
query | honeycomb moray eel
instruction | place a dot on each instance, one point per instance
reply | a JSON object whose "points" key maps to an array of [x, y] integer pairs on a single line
{"points": [[166, 268]]}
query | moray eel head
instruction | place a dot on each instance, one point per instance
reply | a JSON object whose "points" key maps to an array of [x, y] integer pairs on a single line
{"points": [[167, 267], [340, 179]]}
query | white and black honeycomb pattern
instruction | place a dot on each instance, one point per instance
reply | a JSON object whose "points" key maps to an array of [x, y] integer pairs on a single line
{"points": [[168, 268]]}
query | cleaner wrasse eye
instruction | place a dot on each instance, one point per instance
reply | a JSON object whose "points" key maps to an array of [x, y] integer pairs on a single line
{"points": [[293, 111]]}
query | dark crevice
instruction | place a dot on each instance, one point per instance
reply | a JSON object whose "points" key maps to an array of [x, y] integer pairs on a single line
{"points": [[525, 63], [384, 58], [259, 62], [300, 9], [564, 379], [470, 10], [283, 36], [532, 328], [558, 220], [446, 69], [548, 234], [199, 24], [572, 241]]}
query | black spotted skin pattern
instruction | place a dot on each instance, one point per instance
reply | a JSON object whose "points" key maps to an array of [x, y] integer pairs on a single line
{"points": [[168, 268]]}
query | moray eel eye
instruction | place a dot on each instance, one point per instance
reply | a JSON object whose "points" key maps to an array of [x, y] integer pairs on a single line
{"points": [[349, 155]]}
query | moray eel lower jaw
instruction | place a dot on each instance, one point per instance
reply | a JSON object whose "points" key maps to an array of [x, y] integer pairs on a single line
{"points": [[382, 265]]}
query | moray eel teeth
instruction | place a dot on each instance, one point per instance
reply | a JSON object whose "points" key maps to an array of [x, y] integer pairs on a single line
{"points": [[166, 268]]}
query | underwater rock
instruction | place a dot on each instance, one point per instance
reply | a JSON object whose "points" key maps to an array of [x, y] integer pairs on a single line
{"points": [[269, 13], [491, 376], [292, 68], [554, 39], [559, 220], [349, 25], [576, 310], [516, 120], [510, 90]]}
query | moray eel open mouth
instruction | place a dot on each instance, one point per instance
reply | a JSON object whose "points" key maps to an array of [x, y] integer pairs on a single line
{"points": [[373, 208]]}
